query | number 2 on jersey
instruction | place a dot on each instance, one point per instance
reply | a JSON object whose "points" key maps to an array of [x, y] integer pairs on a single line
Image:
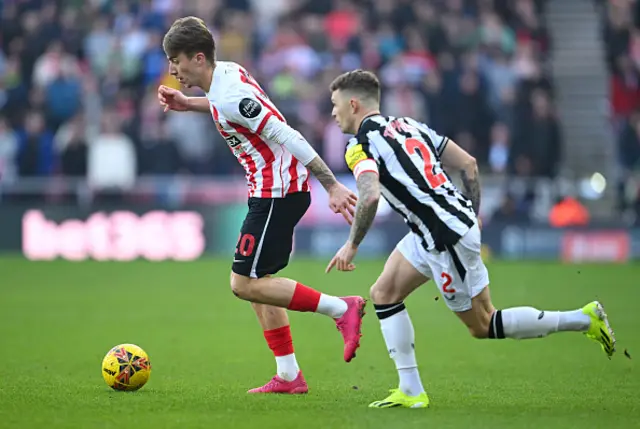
{"points": [[416, 146]]}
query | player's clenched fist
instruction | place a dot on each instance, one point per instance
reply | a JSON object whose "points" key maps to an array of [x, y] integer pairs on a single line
{"points": [[342, 200], [172, 99]]}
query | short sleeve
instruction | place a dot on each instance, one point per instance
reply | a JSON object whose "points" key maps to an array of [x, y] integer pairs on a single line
{"points": [[248, 111], [359, 157], [439, 142]]}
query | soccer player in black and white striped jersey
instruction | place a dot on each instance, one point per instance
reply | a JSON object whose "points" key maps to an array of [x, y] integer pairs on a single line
{"points": [[405, 161]]}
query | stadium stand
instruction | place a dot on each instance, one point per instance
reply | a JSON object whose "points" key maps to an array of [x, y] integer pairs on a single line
{"points": [[473, 70]]}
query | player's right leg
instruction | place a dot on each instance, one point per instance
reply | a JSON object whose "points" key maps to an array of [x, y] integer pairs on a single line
{"points": [[398, 279]]}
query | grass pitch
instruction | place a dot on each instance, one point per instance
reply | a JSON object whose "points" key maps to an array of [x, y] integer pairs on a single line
{"points": [[58, 319]]}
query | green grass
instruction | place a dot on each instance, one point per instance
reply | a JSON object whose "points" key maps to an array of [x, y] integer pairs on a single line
{"points": [[58, 319]]}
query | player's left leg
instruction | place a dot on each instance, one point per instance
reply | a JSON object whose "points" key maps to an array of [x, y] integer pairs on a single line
{"points": [[528, 322], [522, 323], [465, 286], [277, 332]]}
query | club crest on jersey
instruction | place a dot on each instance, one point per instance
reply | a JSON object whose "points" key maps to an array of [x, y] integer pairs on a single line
{"points": [[249, 108]]}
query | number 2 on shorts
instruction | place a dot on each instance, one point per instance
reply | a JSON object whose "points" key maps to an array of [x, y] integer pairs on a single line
{"points": [[446, 286]]}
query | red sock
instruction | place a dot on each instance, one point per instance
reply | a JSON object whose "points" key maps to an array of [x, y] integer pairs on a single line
{"points": [[304, 299], [280, 341]]}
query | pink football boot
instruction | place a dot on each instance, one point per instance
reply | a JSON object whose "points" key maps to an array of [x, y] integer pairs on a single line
{"points": [[279, 385], [350, 325]]}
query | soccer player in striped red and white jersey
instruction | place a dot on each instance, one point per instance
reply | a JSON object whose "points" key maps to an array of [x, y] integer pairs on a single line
{"points": [[277, 161]]}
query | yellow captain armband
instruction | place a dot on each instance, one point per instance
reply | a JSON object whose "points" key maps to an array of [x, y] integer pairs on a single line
{"points": [[354, 155]]}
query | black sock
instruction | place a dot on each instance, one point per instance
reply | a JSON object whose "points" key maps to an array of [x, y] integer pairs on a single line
{"points": [[387, 310], [495, 326]]}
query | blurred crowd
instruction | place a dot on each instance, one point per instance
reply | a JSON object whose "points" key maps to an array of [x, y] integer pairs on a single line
{"points": [[621, 33], [78, 74]]}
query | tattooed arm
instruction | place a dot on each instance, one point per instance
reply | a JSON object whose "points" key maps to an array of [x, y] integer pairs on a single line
{"points": [[341, 199], [282, 133], [367, 206], [455, 158], [369, 195], [471, 182], [323, 173]]}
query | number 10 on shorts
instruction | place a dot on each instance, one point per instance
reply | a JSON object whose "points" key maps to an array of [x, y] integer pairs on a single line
{"points": [[246, 244]]}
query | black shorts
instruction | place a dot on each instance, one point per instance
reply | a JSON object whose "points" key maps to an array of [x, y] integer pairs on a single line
{"points": [[266, 236]]}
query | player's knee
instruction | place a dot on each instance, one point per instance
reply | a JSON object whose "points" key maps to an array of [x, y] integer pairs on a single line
{"points": [[373, 293], [480, 328], [241, 286], [383, 295], [479, 332]]}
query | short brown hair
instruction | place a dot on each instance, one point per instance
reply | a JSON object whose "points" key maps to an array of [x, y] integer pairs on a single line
{"points": [[359, 81], [189, 35]]}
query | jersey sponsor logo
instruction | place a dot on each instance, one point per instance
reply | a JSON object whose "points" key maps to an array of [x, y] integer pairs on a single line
{"points": [[233, 141], [249, 108], [235, 144], [354, 155]]}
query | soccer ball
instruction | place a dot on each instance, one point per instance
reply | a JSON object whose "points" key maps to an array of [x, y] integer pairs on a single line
{"points": [[126, 367]]}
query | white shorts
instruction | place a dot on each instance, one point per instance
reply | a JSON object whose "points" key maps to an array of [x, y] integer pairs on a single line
{"points": [[447, 270]]}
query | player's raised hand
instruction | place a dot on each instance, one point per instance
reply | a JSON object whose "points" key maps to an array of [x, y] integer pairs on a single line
{"points": [[172, 99], [342, 260], [342, 200]]}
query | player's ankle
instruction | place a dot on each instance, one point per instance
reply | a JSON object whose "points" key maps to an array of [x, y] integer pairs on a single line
{"points": [[411, 393], [332, 306], [574, 320], [289, 376]]}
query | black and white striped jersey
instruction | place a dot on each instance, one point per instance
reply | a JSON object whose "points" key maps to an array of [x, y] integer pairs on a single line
{"points": [[406, 155]]}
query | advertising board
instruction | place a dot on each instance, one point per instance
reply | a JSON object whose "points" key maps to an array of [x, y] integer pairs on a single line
{"points": [[126, 232]]}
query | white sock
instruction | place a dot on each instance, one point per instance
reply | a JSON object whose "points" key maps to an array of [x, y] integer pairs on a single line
{"points": [[574, 320], [410, 383], [528, 322], [331, 306], [399, 336], [287, 367]]}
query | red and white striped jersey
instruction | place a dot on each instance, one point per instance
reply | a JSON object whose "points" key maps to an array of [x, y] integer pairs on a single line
{"points": [[241, 110]]}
